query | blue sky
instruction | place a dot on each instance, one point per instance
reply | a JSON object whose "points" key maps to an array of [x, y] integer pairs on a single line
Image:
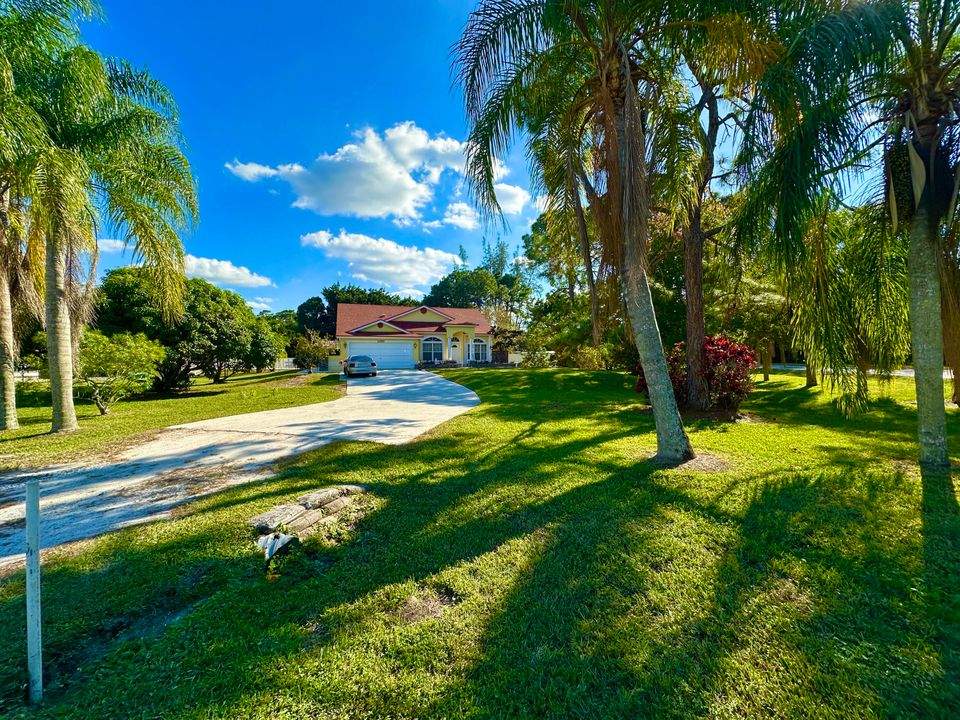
{"points": [[325, 138]]}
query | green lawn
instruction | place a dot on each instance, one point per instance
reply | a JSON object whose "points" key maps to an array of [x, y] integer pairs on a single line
{"points": [[524, 560], [131, 420]]}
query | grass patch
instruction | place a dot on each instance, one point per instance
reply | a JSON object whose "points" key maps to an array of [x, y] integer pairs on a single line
{"points": [[526, 560], [129, 421]]}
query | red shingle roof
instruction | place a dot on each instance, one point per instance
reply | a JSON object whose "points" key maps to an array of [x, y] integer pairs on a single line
{"points": [[350, 317]]}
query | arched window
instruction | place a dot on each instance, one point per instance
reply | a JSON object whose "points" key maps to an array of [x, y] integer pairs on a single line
{"points": [[479, 350], [431, 350]]}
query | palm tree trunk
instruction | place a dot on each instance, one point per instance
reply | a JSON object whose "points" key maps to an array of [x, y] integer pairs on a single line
{"points": [[926, 338], [811, 375], [766, 357], [587, 256], [673, 445], [59, 341], [8, 382], [698, 391]]}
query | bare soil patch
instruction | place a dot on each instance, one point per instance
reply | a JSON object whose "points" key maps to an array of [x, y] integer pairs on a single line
{"points": [[429, 603], [705, 462]]}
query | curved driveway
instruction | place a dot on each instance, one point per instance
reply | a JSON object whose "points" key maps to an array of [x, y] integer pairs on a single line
{"points": [[185, 461]]}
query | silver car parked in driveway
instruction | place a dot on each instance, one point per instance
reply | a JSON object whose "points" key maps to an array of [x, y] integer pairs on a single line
{"points": [[359, 365]]}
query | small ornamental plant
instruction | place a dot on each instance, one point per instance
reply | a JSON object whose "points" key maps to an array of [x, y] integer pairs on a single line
{"points": [[118, 366], [727, 365]]}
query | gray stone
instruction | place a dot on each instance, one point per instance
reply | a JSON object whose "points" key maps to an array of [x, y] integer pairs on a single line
{"points": [[269, 521], [323, 496], [336, 506], [321, 523], [318, 498], [309, 522]]}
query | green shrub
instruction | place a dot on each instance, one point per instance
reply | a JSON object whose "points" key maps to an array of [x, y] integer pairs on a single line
{"points": [[118, 366], [587, 357], [537, 357], [311, 350]]}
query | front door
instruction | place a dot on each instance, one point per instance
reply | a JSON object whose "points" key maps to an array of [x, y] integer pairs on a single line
{"points": [[455, 353]]}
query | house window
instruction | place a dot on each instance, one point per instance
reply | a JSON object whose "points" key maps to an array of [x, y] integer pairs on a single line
{"points": [[432, 349], [479, 350]]}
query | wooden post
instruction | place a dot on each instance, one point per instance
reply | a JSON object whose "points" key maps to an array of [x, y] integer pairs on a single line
{"points": [[34, 649]]}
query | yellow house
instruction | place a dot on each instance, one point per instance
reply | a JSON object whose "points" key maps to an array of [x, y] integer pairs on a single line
{"points": [[401, 337]]}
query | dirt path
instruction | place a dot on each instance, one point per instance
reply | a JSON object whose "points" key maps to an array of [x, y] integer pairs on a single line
{"points": [[185, 461]]}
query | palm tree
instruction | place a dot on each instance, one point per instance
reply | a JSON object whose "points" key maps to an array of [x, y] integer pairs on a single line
{"points": [[28, 30], [115, 154], [850, 299], [523, 62], [21, 296], [869, 89], [558, 156]]}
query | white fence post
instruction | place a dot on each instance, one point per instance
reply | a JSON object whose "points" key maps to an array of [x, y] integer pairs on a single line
{"points": [[34, 650]]}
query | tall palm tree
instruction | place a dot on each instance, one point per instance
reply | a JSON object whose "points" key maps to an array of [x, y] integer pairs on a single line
{"points": [[522, 61], [869, 88], [29, 29], [21, 295], [115, 157]]}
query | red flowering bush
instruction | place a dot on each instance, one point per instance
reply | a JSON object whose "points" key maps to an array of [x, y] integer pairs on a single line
{"points": [[727, 365]]}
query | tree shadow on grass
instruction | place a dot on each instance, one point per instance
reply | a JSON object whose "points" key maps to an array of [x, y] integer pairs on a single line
{"points": [[637, 598], [796, 608], [941, 573], [398, 541], [642, 602]]}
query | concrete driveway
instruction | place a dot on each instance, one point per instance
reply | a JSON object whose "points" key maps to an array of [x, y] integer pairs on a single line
{"points": [[186, 461]]}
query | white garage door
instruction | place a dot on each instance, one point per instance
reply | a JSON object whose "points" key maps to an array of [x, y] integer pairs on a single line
{"points": [[397, 354]]}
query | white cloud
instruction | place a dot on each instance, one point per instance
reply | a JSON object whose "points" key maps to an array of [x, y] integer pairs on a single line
{"points": [[411, 292], [375, 176], [458, 214], [109, 245], [512, 198], [414, 148], [261, 303], [461, 215], [251, 171], [382, 261], [500, 171], [224, 272]]}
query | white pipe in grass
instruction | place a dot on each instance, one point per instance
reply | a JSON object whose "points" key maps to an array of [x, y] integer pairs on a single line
{"points": [[34, 650]]}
